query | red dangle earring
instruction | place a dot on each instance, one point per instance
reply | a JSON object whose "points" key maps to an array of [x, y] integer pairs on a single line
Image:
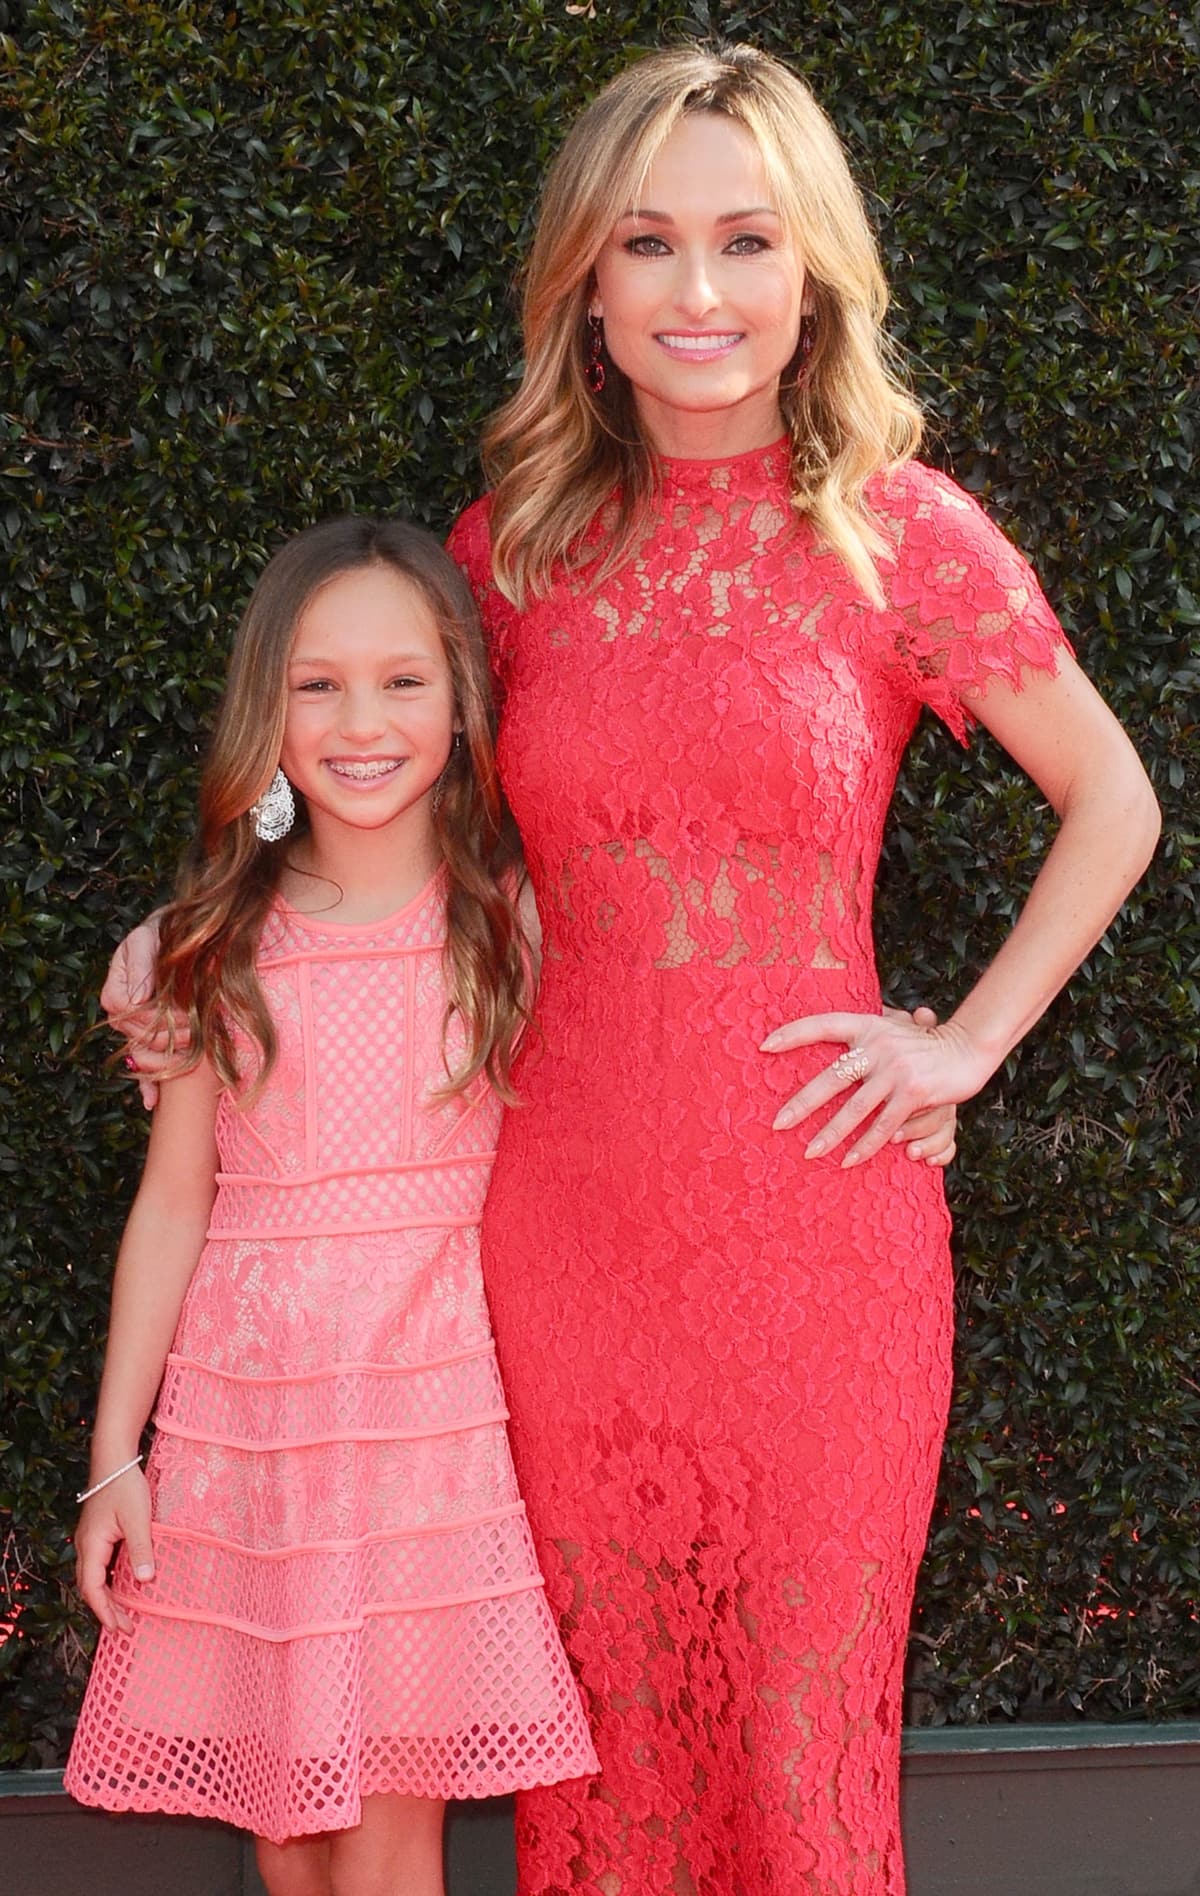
{"points": [[804, 348], [594, 370]]}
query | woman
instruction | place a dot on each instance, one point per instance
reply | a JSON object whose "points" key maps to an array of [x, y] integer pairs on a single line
{"points": [[719, 591]]}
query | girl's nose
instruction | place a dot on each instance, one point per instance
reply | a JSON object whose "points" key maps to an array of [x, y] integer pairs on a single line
{"points": [[362, 716]]}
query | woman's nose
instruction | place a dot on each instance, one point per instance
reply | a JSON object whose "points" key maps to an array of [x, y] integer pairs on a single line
{"points": [[695, 292]]}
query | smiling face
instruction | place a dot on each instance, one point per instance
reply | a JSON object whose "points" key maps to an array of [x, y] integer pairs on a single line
{"points": [[370, 708], [701, 292]]}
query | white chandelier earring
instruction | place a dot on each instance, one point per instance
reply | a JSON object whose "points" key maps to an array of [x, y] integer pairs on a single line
{"points": [[275, 811]]}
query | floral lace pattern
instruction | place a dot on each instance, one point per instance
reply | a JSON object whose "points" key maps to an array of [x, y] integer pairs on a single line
{"points": [[727, 1368], [346, 1599]]}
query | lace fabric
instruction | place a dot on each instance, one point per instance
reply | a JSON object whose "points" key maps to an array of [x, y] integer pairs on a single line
{"points": [[346, 1599], [727, 1368]]}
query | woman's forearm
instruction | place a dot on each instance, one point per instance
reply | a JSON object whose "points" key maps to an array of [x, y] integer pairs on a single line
{"points": [[1107, 837]]}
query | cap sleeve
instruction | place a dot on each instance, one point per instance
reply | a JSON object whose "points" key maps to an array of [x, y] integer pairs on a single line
{"points": [[967, 604], [470, 546]]}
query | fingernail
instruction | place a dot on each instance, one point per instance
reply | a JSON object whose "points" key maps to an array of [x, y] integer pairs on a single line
{"points": [[815, 1149], [851, 1158], [916, 1151], [769, 1044], [130, 1063], [782, 1121], [143, 1572]]}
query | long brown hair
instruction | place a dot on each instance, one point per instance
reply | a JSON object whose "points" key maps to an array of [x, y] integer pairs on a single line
{"points": [[555, 452], [210, 931]]}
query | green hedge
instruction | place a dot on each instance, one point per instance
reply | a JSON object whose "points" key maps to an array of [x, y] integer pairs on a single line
{"points": [[256, 260]]}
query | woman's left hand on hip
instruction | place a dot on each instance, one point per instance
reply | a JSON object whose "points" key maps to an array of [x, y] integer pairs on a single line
{"points": [[895, 1069]]}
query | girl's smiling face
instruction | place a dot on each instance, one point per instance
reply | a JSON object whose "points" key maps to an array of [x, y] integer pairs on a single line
{"points": [[370, 707], [701, 292]]}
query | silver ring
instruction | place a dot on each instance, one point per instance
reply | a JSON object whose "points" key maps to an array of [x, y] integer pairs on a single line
{"points": [[854, 1064]]}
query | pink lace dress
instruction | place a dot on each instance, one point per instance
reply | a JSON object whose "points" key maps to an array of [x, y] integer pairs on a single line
{"points": [[346, 1600], [727, 1367]]}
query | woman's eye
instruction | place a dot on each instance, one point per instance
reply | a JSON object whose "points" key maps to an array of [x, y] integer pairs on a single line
{"points": [[646, 246], [747, 244]]}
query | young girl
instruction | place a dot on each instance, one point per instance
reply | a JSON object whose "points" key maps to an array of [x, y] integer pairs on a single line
{"points": [[326, 1616]]}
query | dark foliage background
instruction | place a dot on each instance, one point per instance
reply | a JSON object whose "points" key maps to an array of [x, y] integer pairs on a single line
{"points": [[256, 263]]}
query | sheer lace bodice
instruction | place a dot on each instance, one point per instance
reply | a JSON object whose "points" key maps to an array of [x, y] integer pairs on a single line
{"points": [[748, 654]]}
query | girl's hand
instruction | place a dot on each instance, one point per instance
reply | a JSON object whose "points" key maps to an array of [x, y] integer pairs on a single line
{"points": [[120, 1512], [907, 1070], [127, 997]]}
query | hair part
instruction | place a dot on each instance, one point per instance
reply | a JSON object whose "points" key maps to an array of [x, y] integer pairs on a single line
{"points": [[556, 453], [210, 931]]}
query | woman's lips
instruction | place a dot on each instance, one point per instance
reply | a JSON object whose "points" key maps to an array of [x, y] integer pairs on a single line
{"points": [[703, 348]]}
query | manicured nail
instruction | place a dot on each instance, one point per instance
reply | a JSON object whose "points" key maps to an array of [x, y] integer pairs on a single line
{"points": [[815, 1149], [769, 1044], [916, 1151], [851, 1158], [783, 1120], [143, 1572]]}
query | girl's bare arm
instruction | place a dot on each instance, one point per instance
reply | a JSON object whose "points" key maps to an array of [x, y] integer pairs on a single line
{"points": [[161, 1245]]}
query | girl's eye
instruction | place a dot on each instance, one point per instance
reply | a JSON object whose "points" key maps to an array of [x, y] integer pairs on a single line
{"points": [[315, 684], [405, 681]]}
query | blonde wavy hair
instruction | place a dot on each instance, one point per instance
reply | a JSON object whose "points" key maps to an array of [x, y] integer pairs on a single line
{"points": [[555, 452], [210, 932]]}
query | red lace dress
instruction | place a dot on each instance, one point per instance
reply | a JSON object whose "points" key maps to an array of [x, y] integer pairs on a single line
{"points": [[727, 1367]]}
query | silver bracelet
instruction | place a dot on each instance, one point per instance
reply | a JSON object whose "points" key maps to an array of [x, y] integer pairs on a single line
{"points": [[115, 1476]]}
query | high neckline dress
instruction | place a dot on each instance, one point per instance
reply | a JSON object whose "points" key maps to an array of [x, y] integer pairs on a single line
{"points": [[728, 1367], [346, 1599]]}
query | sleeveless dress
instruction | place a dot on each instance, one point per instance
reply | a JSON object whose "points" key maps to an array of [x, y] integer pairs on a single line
{"points": [[727, 1367], [346, 1598]]}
